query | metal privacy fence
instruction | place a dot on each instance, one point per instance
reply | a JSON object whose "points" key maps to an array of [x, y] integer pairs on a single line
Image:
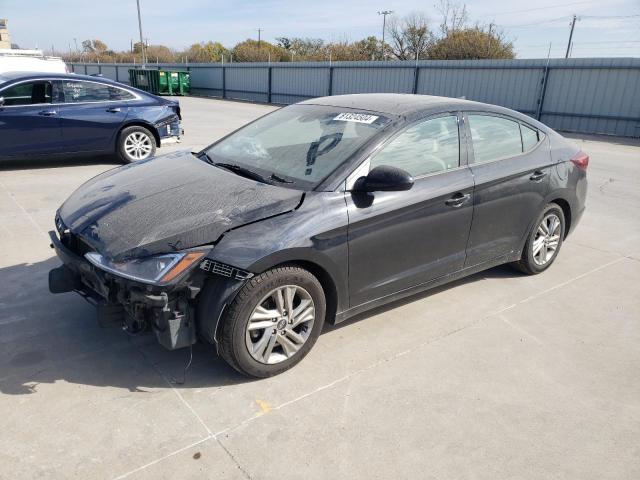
{"points": [[576, 95]]}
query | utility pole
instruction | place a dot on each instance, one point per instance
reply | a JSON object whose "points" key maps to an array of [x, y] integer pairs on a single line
{"points": [[75, 40], [259, 32], [144, 59], [384, 14], [573, 24], [489, 40]]}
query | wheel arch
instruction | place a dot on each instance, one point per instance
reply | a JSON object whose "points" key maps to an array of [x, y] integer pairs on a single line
{"points": [[563, 203], [326, 282], [139, 123], [566, 210], [331, 278]]}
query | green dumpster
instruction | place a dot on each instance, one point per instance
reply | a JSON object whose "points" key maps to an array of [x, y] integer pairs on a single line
{"points": [[160, 82]]}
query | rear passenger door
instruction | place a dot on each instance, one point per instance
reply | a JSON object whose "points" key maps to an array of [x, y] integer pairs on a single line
{"points": [[90, 114], [511, 164]]}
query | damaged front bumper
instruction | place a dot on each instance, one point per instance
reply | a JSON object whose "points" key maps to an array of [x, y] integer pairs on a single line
{"points": [[168, 310]]}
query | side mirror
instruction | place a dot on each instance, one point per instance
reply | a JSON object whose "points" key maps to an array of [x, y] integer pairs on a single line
{"points": [[385, 179]]}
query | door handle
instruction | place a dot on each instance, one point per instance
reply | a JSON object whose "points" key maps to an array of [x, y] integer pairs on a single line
{"points": [[113, 109], [47, 113], [457, 200], [537, 176]]}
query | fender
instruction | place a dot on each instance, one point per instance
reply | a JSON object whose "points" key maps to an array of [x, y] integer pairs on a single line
{"points": [[314, 236]]}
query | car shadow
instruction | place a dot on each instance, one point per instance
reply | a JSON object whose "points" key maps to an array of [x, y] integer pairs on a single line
{"points": [[50, 161], [48, 338], [502, 271]]}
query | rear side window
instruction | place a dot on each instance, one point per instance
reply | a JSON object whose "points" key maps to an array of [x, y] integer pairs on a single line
{"points": [[494, 138], [429, 147], [30, 93], [529, 137], [79, 92], [119, 94]]}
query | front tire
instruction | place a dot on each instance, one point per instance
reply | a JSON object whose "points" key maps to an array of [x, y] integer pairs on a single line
{"points": [[135, 144], [273, 322], [544, 241]]}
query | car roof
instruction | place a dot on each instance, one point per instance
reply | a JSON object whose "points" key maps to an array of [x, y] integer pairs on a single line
{"points": [[404, 104]]}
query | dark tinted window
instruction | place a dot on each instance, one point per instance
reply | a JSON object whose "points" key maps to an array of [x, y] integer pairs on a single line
{"points": [[30, 93], [78, 91], [119, 94], [529, 137], [428, 147], [494, 137]]}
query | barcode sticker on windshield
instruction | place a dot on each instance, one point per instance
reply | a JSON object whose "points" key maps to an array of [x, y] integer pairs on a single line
{"points": [[356, 117]]}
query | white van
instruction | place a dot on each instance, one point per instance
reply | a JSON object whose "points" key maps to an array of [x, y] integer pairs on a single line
{"points": [[14, 60]]}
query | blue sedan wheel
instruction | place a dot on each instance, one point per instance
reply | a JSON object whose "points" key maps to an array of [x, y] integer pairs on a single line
{"points": [[136, 143]]}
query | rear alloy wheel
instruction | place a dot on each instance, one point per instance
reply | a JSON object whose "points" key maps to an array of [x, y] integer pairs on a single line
{"points": [[135, 144], [544, 241], [273, 322]]}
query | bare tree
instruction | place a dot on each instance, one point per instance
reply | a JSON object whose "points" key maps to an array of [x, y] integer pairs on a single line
{"points": [[410, 36], [454, 16]]}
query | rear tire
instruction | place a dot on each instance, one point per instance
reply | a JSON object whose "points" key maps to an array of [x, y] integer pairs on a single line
{"points": [[273, 322], [544, 241], [135, 143]]}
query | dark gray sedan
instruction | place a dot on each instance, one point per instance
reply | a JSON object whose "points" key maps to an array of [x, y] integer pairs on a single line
{"points": [[314, 213]]}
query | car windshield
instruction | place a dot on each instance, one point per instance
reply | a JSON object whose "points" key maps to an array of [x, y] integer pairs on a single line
{"points": [[299, 145]]}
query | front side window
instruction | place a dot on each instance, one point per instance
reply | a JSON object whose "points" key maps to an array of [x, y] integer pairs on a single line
{"points": [[29, 93], [303, 143], [80, 92], [429, 147], [494, 137]]}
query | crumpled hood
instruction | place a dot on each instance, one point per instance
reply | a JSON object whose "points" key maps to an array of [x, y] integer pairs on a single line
{"points": [[168, 203]]}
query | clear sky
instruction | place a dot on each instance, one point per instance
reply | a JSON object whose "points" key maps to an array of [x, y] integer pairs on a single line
{"points": [[606, 27]]}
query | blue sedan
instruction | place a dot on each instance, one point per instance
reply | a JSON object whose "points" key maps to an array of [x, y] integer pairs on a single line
{"points": [[67, 114]]}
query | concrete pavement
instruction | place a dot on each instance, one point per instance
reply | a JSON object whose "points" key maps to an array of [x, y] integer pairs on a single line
{"points": [[499, 375]]}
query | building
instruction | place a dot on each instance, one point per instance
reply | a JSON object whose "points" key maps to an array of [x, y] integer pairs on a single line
{"points": [[5, 39]]}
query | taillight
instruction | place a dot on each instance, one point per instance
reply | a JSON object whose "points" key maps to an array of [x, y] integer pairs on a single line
{"points": [[580, 160]]}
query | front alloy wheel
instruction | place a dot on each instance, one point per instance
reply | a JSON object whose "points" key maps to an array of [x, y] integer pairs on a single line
{"points": [[280, 324], [273, 321]]}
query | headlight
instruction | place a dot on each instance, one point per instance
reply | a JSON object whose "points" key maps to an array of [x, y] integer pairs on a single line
{"points": [[156, 269]]}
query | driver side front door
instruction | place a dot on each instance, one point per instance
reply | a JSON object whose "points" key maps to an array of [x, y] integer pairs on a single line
{"points": [[29, 122], [398, 240]]}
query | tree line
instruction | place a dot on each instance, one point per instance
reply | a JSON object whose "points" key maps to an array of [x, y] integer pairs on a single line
{"points": [[406, 38]]}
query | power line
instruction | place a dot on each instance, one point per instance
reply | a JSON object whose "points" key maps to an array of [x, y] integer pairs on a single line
{"points": [[610, 17], [509, 12], [570, 17]]}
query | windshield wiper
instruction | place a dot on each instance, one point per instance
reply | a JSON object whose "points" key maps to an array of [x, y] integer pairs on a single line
{"points": [[245, 172], [205, 156], [277, 178]]}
